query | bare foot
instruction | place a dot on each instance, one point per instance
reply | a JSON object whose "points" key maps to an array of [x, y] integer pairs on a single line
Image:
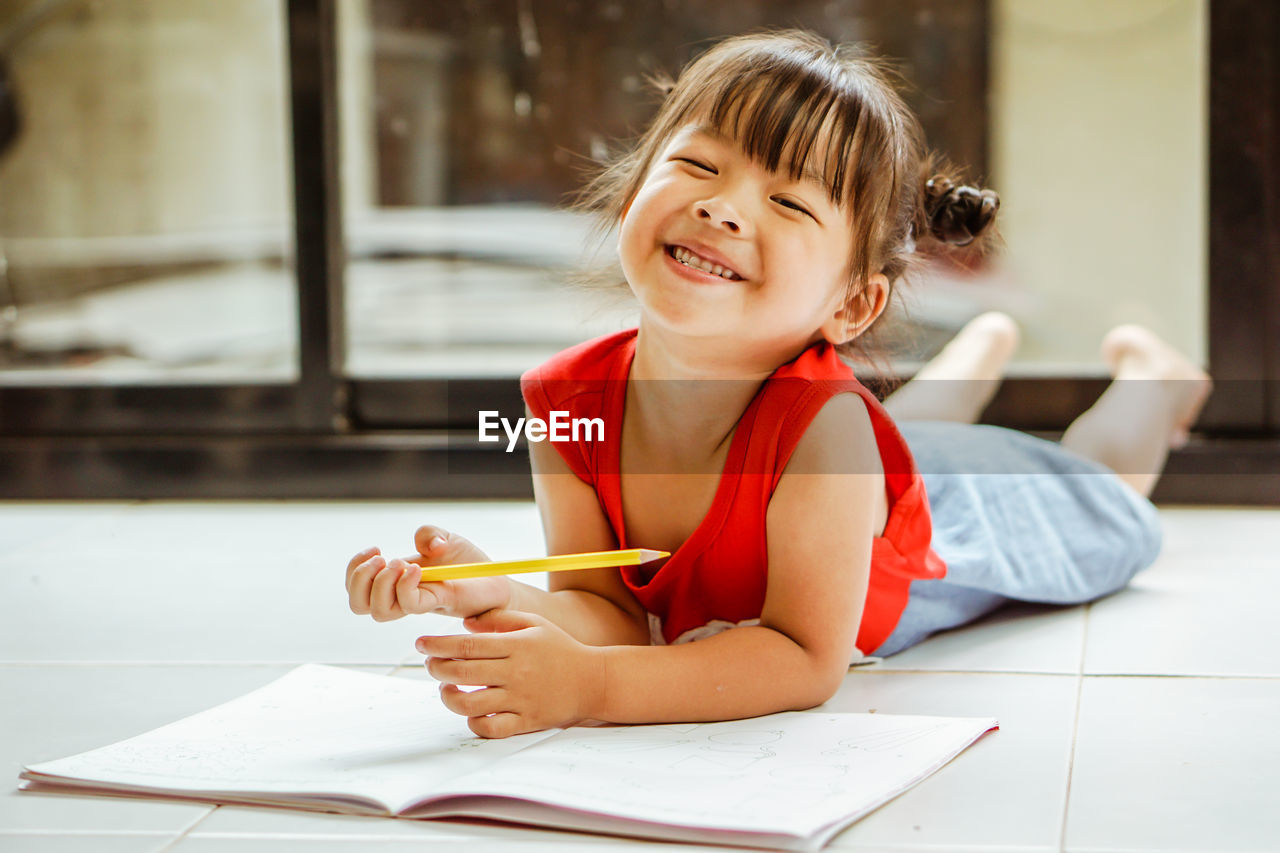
{"points": [[978, 351], [971, 367], [1135, 352]]}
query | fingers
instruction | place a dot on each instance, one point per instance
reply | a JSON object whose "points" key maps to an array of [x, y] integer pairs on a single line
{"points": [[465, 659], [412, 594], [396, 592], [360, 581], [439, 547], [499, 725], [383, 605], [485, 711], [358, 560], [390, 589], [482, 672], [429, 539], [467, 646], [474, 703], [499, 620]]}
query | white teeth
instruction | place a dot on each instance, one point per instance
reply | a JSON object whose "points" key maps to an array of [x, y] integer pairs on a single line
{"points": [[689, 259]]}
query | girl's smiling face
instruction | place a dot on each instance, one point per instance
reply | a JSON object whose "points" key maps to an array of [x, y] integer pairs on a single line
{"points": [[715, 245]]}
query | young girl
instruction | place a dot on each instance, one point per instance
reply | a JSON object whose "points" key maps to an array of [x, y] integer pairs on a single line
{"points": [[763, 220]]}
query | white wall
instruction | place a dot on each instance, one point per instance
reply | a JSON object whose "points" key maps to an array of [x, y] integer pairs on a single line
{"points": [[149, 118], [1099, 150]]}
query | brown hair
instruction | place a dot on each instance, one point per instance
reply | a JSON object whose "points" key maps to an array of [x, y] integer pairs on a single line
{"points": [[783, 95]]}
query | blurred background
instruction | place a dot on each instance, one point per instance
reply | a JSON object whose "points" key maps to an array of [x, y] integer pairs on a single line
{"points": [[334, 217], [145, 199]]}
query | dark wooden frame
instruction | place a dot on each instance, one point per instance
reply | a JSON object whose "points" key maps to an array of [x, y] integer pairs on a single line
{"points": [[1244, 215], [329, 437]]}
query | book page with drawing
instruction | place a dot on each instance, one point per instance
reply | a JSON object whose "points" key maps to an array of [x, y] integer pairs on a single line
{"points": [[798, 774], [319, 735], [322, 737]]}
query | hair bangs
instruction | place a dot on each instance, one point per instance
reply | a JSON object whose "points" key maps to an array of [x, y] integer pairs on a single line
{"points": [[799, 122]]}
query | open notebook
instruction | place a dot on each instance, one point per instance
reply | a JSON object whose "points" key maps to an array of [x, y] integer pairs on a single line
{"points": [[326, 738]]}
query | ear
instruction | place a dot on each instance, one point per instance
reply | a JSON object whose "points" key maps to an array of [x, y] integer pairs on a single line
{"points": [[850, 320]]}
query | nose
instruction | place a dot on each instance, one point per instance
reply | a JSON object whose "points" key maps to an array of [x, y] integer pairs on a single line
{"points": [[720, 213]]}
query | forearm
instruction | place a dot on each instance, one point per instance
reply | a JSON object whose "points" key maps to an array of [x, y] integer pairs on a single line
{"points": [[587, 617], [742, 672]]}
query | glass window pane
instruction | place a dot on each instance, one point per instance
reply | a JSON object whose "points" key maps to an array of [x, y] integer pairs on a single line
{"points": [[1100, 157], [145, 204], [467, 125]]}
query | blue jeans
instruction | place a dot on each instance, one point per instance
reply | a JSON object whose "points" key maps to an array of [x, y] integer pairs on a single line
{"points": [[1018, 518]]}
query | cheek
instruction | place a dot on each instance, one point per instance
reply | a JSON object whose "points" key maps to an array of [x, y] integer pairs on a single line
{"points": [[830, 259], [627, 242], [806, 256], [636, 231]]}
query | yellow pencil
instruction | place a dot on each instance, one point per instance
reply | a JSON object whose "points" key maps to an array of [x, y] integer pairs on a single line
{"points": [[557, 563]]}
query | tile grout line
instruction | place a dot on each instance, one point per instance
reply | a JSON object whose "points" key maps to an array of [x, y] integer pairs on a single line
{"points": [[1075, 728], [184, 832], [1060, 673], [127, 833], [225, 664]]}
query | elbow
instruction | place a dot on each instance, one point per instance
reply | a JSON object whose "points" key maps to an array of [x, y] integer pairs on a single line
{"points": [[820, 669], [825, 683], [831, 688], [814, 698]]}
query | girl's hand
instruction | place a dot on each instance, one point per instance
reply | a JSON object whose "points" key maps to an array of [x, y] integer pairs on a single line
{"points": [[535, 676], [387, 590]]}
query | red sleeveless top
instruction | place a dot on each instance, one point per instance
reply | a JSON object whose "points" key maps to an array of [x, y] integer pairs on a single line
{"points": [[717, 579]]}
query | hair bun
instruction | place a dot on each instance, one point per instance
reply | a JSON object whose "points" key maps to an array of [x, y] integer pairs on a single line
{"points": [[958, 214]]}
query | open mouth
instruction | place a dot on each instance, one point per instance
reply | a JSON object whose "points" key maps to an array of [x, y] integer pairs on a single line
{"points": [[690, 259]]}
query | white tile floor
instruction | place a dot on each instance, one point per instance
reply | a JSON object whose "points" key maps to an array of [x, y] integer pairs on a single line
{"points": [[1146, 721]]}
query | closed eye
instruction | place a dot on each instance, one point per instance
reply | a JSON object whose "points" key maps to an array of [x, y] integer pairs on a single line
{"points": [[697, 164], [786, 202]]}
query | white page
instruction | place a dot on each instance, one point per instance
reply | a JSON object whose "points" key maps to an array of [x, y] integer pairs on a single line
{"points": [[316, 730], [327, 731], [794, 773]]}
